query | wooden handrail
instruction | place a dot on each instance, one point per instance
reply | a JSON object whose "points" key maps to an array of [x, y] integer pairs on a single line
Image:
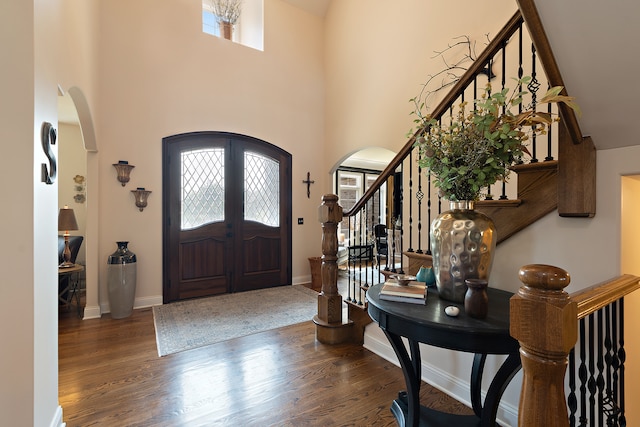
{"points": [[528, 14], [552, 71], [598, 296], [544, 320]]}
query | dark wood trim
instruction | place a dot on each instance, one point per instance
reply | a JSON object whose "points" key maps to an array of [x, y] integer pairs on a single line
{"points": [[576, 178]]}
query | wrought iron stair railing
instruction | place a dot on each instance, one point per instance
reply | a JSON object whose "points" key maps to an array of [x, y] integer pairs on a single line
{"points": [[548, 323], [557, 176]]}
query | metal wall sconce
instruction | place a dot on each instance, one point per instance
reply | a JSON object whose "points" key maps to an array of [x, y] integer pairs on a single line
{"points": [[124, 169], [141, 197]]}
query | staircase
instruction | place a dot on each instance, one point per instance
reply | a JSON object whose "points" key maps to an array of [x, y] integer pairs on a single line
{"points": [[559, 176], [562, 179]]}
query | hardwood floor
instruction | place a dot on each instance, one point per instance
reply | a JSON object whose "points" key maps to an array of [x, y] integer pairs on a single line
{"points": [[110, 375]]}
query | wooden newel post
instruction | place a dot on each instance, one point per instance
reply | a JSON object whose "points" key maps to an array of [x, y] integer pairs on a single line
{"points": [[329, 326], [330, 215], [544, 321]]}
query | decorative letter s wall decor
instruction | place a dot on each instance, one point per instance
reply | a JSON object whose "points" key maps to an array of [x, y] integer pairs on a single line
{"points": [[48, 137]]}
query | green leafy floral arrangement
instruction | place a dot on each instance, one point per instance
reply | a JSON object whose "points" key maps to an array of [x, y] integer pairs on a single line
{"points": [[478, 147]]}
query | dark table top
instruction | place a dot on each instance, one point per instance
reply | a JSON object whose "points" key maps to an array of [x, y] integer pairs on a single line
{"points": [[430, 325]]}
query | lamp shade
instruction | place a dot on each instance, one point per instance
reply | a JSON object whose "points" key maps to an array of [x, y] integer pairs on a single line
{"points": [[67, 220]]}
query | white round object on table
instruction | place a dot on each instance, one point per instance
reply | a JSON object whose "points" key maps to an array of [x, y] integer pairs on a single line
{"points": [[452, 311]]}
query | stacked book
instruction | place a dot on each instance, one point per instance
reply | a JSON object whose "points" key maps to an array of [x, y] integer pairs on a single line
{"points": [[414, 292]]}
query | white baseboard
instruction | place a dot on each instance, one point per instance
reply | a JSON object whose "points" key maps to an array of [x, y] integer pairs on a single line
{"points": [[138, 303], [148, 301], [301, 280], [57, 418], [453, 386], [92, 312]]}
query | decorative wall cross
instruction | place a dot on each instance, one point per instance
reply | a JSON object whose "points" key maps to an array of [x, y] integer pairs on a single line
{"points": [[308, 182]]}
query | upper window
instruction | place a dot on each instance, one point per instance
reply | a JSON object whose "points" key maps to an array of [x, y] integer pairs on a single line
{"points": [[240, 21]]}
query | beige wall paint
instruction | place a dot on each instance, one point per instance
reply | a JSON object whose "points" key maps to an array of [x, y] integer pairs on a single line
{"points": [[159, 75], [79, 73], [589, 249], [17, 134], [631, 265], [29, 391], [45, 223], [377, 57], [375, 62]]}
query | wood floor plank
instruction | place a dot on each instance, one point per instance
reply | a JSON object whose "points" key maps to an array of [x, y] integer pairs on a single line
{"points": [[110, 375]]}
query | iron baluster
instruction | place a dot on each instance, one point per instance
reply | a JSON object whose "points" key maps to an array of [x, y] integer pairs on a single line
{"points": [[583, 373], [533, 87], [410, 248], [572, 399]]}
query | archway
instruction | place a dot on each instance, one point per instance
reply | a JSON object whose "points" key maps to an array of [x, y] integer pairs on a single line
{"points": [[73, 110]]}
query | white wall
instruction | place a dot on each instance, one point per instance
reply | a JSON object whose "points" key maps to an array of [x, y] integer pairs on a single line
{"points": [[29, 369]]}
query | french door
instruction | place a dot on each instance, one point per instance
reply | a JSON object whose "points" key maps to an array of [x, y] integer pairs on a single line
{"points": [[226, 215]]}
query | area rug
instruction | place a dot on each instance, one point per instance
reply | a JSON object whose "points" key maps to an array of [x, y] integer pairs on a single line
{"points": [[185, 325]]}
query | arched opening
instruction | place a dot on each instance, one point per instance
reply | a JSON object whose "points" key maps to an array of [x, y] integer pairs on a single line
{"points": [[78, 182], [352, 177]]}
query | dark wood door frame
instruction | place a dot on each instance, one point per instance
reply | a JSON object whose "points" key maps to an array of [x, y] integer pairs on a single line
{"points": [[234, 254]]}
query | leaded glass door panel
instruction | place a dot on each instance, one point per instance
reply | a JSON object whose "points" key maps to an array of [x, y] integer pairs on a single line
{"points": [[227, 215]]}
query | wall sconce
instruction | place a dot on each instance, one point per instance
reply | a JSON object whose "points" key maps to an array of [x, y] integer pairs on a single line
{"points": [[124, 169], [141, 197]]}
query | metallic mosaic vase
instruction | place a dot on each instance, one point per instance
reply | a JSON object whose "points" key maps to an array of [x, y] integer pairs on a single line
{"points": [[462, 244]]}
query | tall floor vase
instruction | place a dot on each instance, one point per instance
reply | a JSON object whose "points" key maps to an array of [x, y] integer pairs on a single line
{"points": [[463, 242], [121, 281]]}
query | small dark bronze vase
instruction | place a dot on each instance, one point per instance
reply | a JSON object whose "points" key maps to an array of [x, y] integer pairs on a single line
{"points": [[476, 300]]}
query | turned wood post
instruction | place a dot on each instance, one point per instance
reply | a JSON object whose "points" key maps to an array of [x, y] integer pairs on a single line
{"points": [[329, 300], [544, 321]]}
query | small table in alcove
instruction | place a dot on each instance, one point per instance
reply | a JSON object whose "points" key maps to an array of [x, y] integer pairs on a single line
{"points": [[429, 324], [70, 291]]}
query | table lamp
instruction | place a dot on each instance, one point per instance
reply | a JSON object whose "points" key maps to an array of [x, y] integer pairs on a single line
{"points": [[66, 222]]}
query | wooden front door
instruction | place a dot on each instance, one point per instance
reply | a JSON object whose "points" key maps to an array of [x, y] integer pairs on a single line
{"points": [[226, 215]]}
